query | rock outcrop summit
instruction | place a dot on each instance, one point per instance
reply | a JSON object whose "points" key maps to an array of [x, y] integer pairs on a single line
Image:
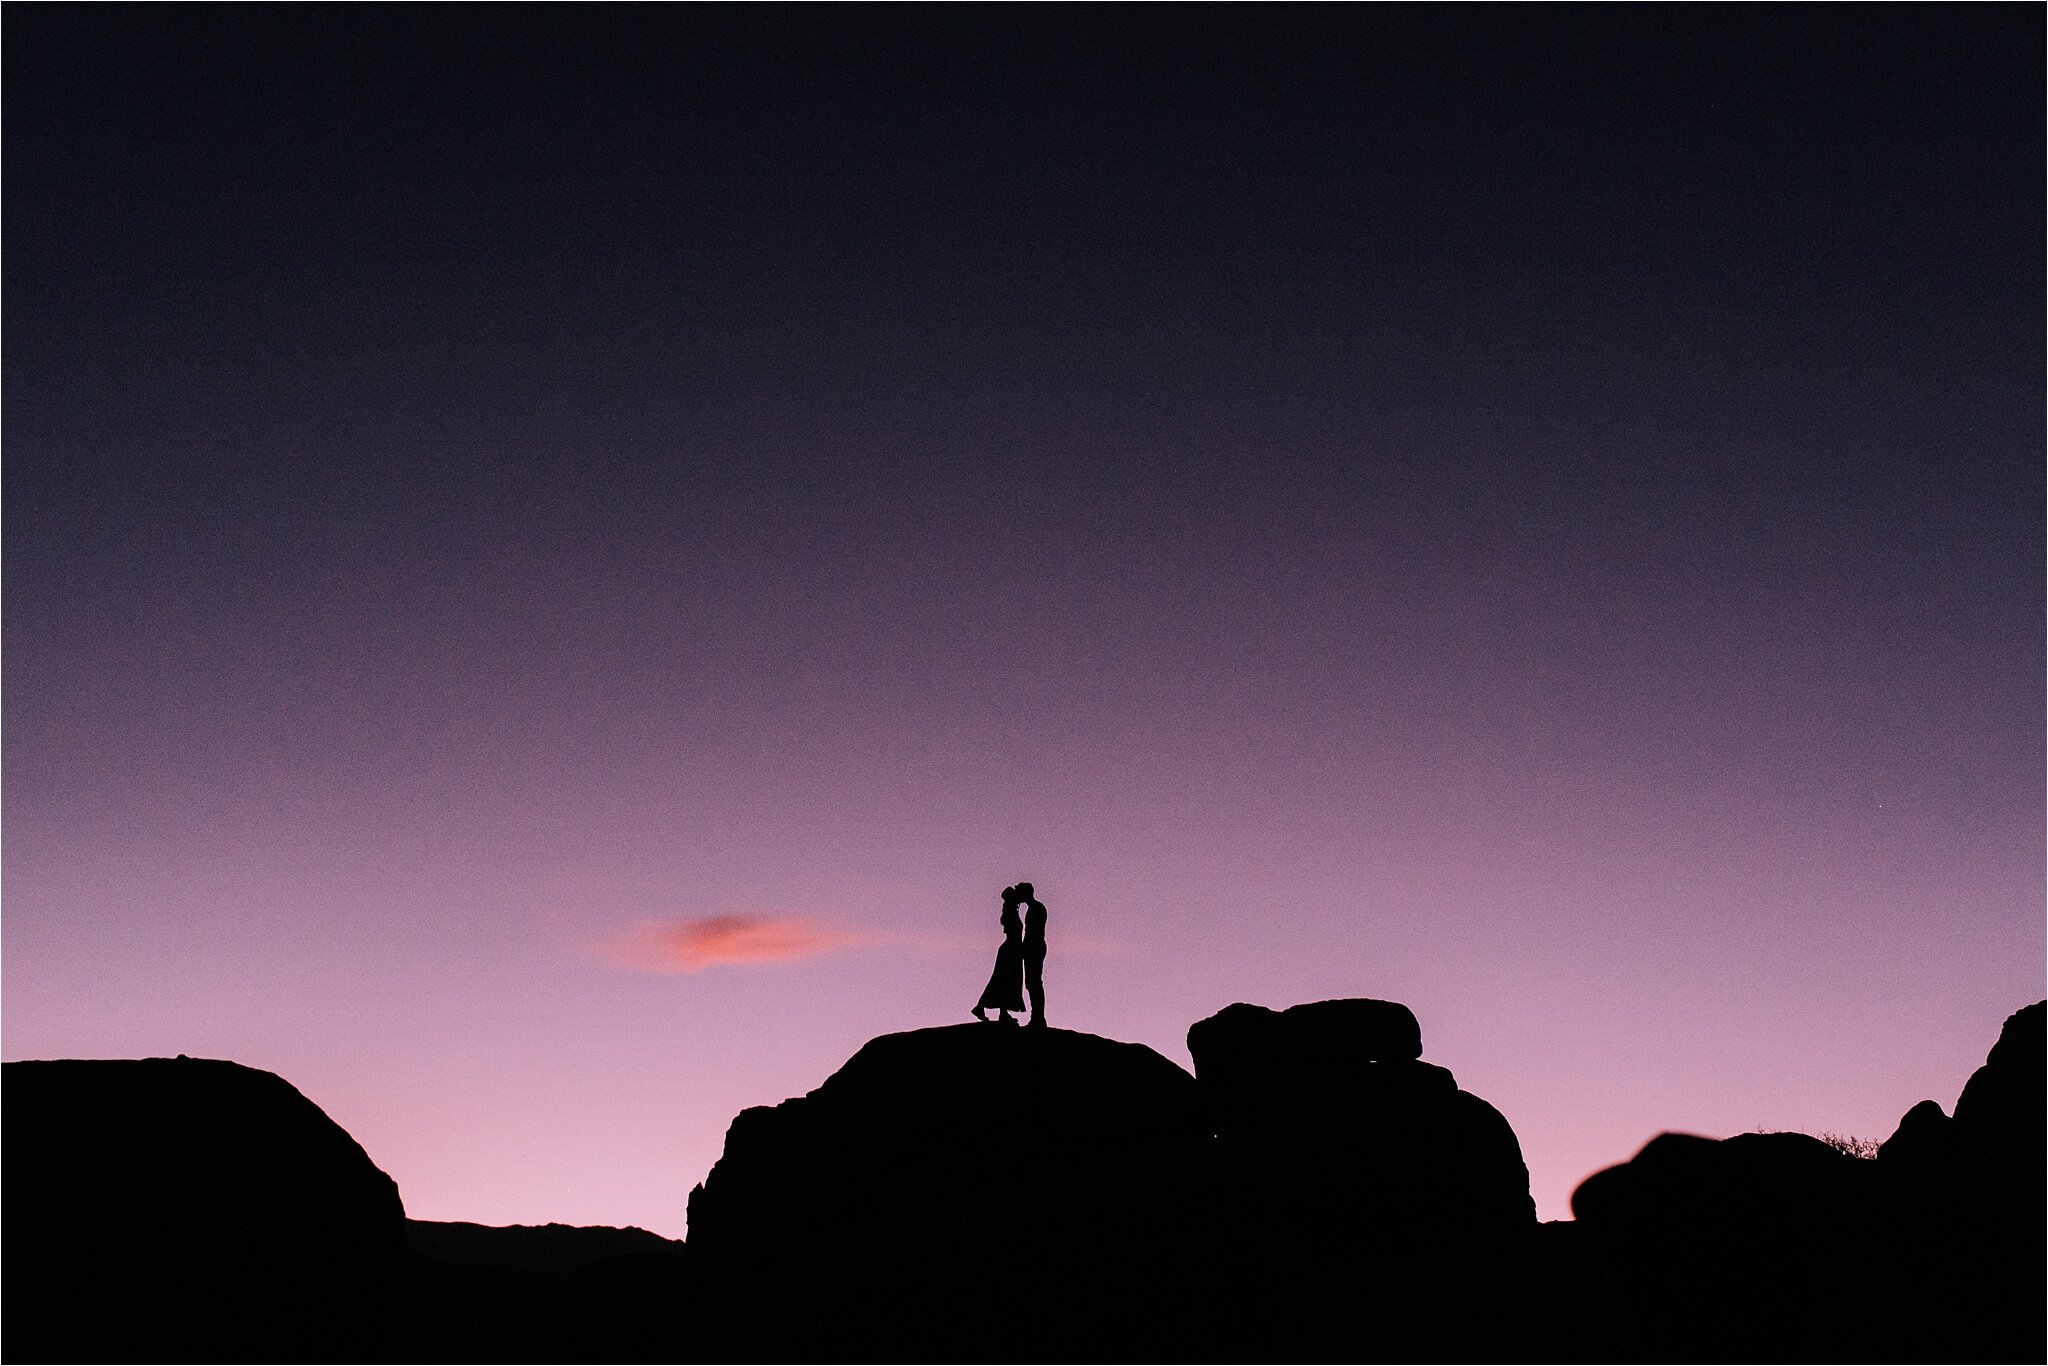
{"points": [[1311, 1158], [928, 1136], [1932, 1252], [1315, 1190]]}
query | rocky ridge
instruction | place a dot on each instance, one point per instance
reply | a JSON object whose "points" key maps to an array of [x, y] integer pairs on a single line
{"points": [[1314, 1190]]}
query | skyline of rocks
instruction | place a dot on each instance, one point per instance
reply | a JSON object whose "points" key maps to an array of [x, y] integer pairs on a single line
{"points": [[1314, 1175]]}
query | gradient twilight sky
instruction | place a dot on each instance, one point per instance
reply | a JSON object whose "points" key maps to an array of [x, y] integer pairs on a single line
{"points": [[557, 559]]}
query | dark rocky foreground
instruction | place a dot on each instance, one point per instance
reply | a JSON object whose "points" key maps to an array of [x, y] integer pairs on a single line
{"points": [[179, 1208], [1315, 1191]]}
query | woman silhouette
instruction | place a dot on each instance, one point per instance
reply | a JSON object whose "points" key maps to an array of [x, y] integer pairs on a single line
{"points": [[1005, 990]]}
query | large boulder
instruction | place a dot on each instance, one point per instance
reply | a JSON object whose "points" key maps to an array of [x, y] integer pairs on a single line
{"points": [[1255, 1063], [1748, 1248], [1983, 1166], [1965, 1197], [2002, 1115], [1779, 1246], [919, 1128], [185, 1209], [1362, 1203], [936, 1177], [1332, 1097], [1923, 1142]]}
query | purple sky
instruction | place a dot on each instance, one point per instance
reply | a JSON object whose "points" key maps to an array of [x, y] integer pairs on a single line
{"points": [[1535, 516]]}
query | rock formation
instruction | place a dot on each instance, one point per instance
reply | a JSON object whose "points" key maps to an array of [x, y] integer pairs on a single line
{"points": [[1315, 1191], [1332, 1094], [1965, 1198], [550, 1293], [541, 1252], [1778, 1224], [1318, 1190], [1778, 1246], [2001, 1119], [1362, 1198], [926, 1136], [183, 1209], [893, 1197]]}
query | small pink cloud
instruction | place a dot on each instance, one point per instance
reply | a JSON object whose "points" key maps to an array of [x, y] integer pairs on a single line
{"points": [[693, 945]]}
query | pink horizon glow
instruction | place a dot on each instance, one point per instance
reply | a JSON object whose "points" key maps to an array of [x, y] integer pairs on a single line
{"points": [[433, 992]]}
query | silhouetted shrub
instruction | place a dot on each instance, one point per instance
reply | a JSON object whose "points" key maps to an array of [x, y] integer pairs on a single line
{"points": [[1850, 1144], [1841, 1143]]}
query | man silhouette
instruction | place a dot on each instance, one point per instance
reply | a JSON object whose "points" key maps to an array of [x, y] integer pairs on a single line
{"points": [[1034, 954]]}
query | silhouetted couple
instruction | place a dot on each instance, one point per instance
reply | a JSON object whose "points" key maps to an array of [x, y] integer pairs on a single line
{"points": [[1020, 962]]}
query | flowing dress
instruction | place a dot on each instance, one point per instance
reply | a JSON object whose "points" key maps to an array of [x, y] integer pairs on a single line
{"points": [[1005, 989]]}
